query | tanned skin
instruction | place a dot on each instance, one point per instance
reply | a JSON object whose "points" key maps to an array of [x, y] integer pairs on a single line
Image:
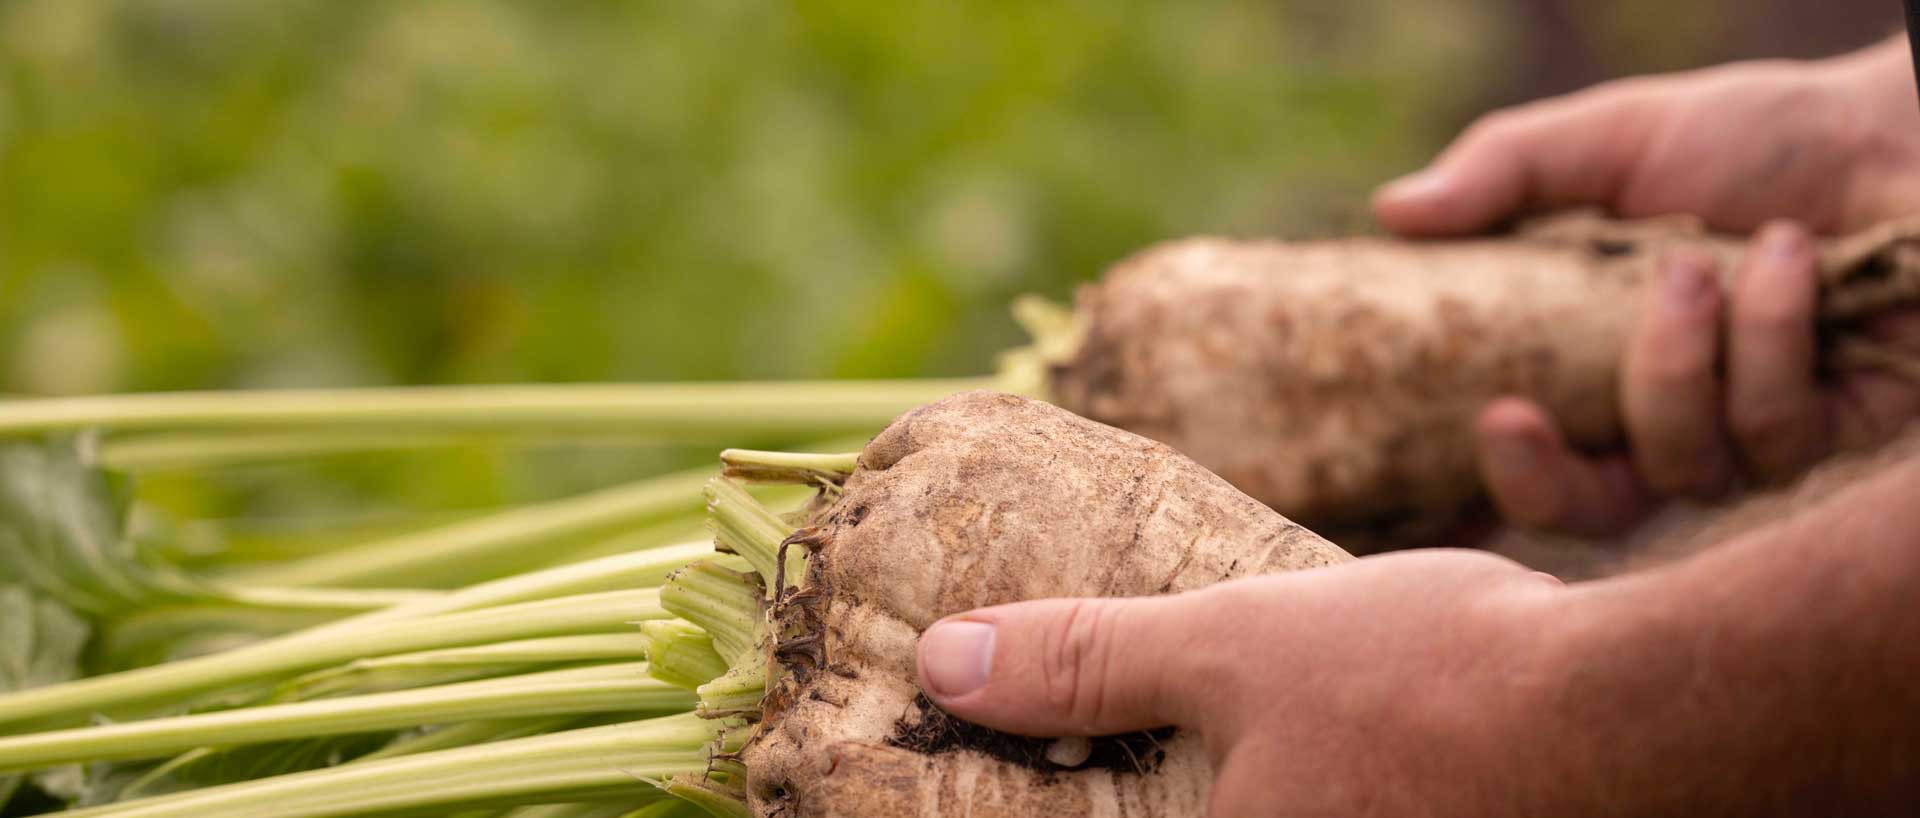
{"points": [[1775, 672]]}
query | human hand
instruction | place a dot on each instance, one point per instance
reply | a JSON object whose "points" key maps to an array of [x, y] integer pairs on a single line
{"points": [[1835, 145], [1716, 389], [1395, 685]]}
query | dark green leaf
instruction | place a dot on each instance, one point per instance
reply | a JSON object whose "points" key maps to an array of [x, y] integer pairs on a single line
{"points": [[40, 644], [63, 533]]}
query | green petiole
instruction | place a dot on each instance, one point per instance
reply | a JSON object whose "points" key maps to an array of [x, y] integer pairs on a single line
{"points": [[449, 665], [635, 569], [622, 808], [458, 550], [613, 687], [737, 692], [467, 734], [155, 633], [681, 654], [721, 790], [724, 603], [678, 411], [131, 691], [731, 606], [788, 467], [741, 525], [591, 763], [170, 451]]}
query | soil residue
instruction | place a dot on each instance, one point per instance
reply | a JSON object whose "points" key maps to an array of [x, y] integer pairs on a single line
{"points": [[929, 730]]}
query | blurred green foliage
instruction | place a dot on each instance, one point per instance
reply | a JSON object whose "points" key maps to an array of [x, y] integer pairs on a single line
{"points": [[232, 193]]}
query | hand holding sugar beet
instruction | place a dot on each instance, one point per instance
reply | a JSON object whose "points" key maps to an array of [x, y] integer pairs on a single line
{"points": [[1718, 387], [1765, 676]]}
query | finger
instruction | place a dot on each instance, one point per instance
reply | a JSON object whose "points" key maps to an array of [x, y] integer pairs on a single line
{"points": [[1670, 394], [1068, 667], [1574, 150], [1537, 481], [1774, 411]]}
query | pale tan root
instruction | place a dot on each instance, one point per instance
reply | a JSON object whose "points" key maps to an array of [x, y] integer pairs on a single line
{"points": [[977, 500], [1337, 381]]}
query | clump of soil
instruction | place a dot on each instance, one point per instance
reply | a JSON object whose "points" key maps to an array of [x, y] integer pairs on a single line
{"points": [[930, 731]]}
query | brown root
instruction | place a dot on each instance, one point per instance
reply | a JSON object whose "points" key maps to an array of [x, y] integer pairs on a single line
{"points": [[984, 499], [1338, 381]]}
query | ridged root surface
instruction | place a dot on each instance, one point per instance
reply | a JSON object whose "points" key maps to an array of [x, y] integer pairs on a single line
{"points": [[983, 499], [1337, 381]]}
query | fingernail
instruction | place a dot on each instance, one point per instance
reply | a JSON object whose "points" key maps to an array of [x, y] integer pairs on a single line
{"points": [[1784, 244], [957, 657], [1420, 185], [1687, 281]]}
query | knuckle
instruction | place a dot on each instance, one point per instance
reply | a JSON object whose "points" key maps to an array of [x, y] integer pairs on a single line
{"points": [[1497, 129], [1077, 660], [1503, 125]]}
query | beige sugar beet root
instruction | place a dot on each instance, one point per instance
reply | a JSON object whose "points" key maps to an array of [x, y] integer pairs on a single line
{"points": [[1337, 381], [983, 499]]}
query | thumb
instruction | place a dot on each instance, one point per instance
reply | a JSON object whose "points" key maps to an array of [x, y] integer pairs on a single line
{"points": [[1067, 667], [1470, 189], [1572, 151]]}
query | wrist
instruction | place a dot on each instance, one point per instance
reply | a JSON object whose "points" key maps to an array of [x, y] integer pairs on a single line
{"points": [[1548, 719], [1600, 721], [1665, 693], [1515, 747]]}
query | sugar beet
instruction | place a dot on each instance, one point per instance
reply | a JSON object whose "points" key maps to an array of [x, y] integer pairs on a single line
{"points": [[983, 499], [1337, 381]]}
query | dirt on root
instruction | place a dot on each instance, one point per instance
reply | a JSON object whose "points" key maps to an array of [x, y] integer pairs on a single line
{"points": [[931, 731]]}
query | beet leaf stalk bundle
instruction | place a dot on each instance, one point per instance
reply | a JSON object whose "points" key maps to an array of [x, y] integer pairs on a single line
{"points": [[605, 685]]}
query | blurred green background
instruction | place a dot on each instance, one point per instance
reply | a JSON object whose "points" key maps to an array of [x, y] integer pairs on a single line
{"points": [[236, 193], [231, 193]]}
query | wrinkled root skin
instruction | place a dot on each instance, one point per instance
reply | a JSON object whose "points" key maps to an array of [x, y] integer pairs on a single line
{"points": [[983, 499], [1338, 381]]}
